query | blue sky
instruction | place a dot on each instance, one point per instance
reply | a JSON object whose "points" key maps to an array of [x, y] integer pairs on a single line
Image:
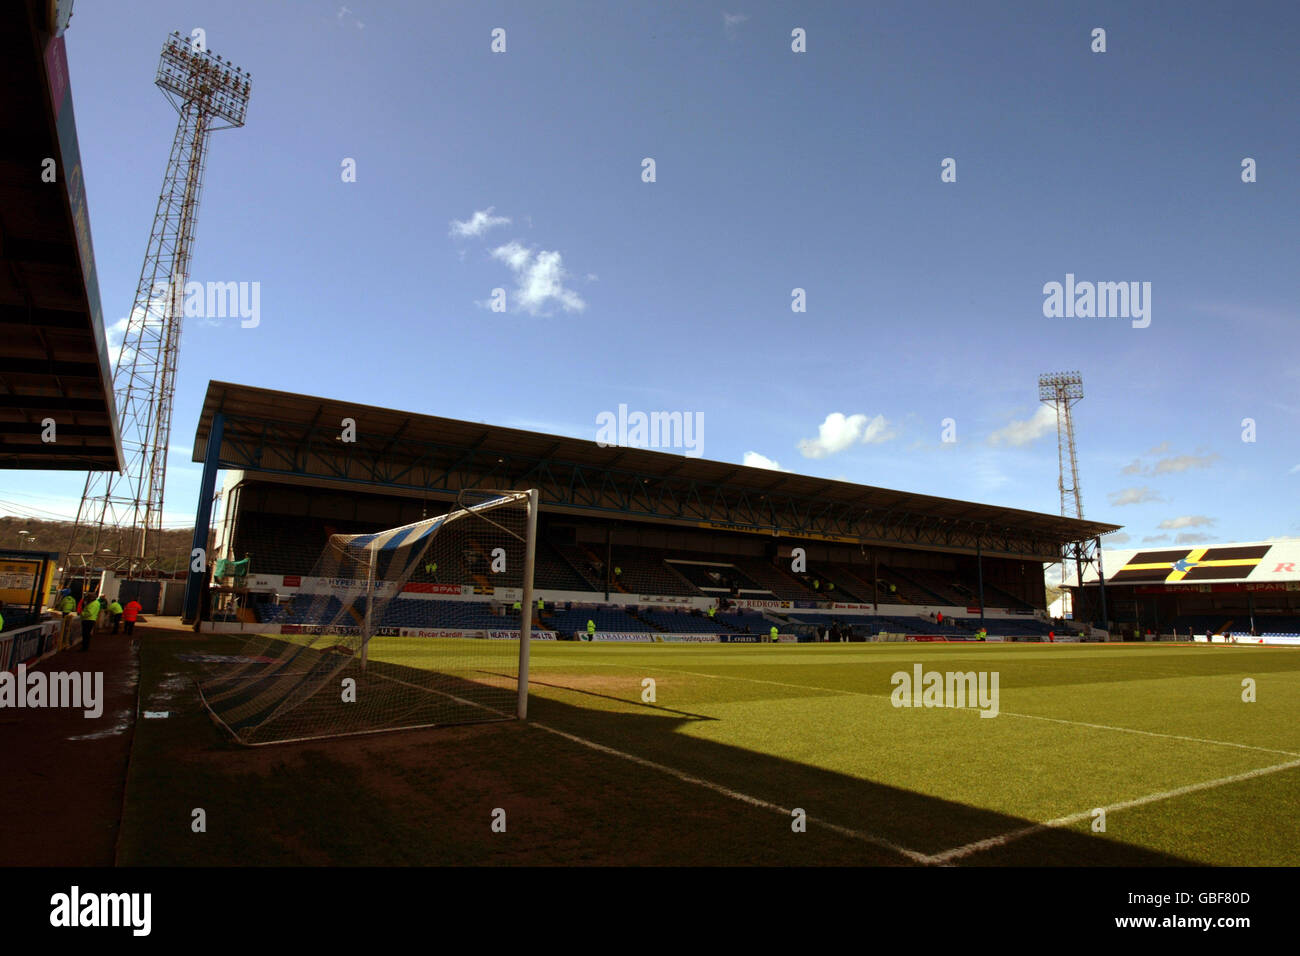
{"points": [[775, 170]]}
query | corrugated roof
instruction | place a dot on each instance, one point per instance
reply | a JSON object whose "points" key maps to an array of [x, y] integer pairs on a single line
{"points": [[407, 430]]}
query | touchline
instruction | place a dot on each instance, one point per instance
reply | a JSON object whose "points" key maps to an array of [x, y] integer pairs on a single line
{"points": [[77, 690]]}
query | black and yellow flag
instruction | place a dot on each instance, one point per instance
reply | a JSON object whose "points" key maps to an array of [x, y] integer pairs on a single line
{"points": [[1191, 564]]}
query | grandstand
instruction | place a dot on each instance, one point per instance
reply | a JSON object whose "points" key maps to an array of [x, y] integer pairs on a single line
{"points": [[640, 543], [1243, 589]]}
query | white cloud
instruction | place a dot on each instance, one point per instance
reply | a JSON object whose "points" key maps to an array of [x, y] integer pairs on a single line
{"points": [[839, 431], [1295, 470], [1155, 539], [151, 316], [1182, 463], [1119, 537], [732, 20], [754, 460], [1025, 432], [1283, 317], [477, 224], [1186, 521], [1174, 464], [1191, 538], [539, 279], [115, 333], [877, 431], [1133, 496], [513, 254]]}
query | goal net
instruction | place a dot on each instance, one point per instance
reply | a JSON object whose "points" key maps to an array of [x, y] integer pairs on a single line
{"points": [[417, 626]]}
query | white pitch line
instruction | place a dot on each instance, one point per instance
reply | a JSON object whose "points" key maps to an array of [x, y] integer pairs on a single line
{"points": [[978, 846], [1155, 733], [860, 835]]}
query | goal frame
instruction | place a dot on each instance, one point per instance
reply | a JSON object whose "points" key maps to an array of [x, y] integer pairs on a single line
{"points": [[531, 497]]}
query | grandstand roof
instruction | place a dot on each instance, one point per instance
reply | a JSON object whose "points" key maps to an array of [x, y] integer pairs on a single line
{"points": [[1237, 563], [55, 362], [281, 433]]}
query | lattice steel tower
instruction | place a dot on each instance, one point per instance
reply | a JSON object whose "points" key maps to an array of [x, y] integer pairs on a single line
{"points": [[123, 512], [1062, 390]]}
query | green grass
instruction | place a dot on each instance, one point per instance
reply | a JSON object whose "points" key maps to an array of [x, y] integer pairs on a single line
{"points": [[769, 728]]}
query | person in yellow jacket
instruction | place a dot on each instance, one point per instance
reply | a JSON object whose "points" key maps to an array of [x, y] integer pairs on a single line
{"points": [[773, 633], [67, 606], [114, 614], [591, 629], [89, 615]]}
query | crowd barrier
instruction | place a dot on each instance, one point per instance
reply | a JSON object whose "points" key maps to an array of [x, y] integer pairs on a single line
{"points": [[35, 642]]}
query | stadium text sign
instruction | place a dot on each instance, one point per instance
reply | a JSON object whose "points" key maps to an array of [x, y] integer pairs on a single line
{"points": [[514, 635], [951, 689], [473, 633], [422, 587], [349, 586]]}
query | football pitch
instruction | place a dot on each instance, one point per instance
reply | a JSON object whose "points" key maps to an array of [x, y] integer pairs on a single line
{"points": [[706, 754]]}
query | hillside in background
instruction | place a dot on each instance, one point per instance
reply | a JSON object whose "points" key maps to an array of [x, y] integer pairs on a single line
{"points": [[54, 536]]}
